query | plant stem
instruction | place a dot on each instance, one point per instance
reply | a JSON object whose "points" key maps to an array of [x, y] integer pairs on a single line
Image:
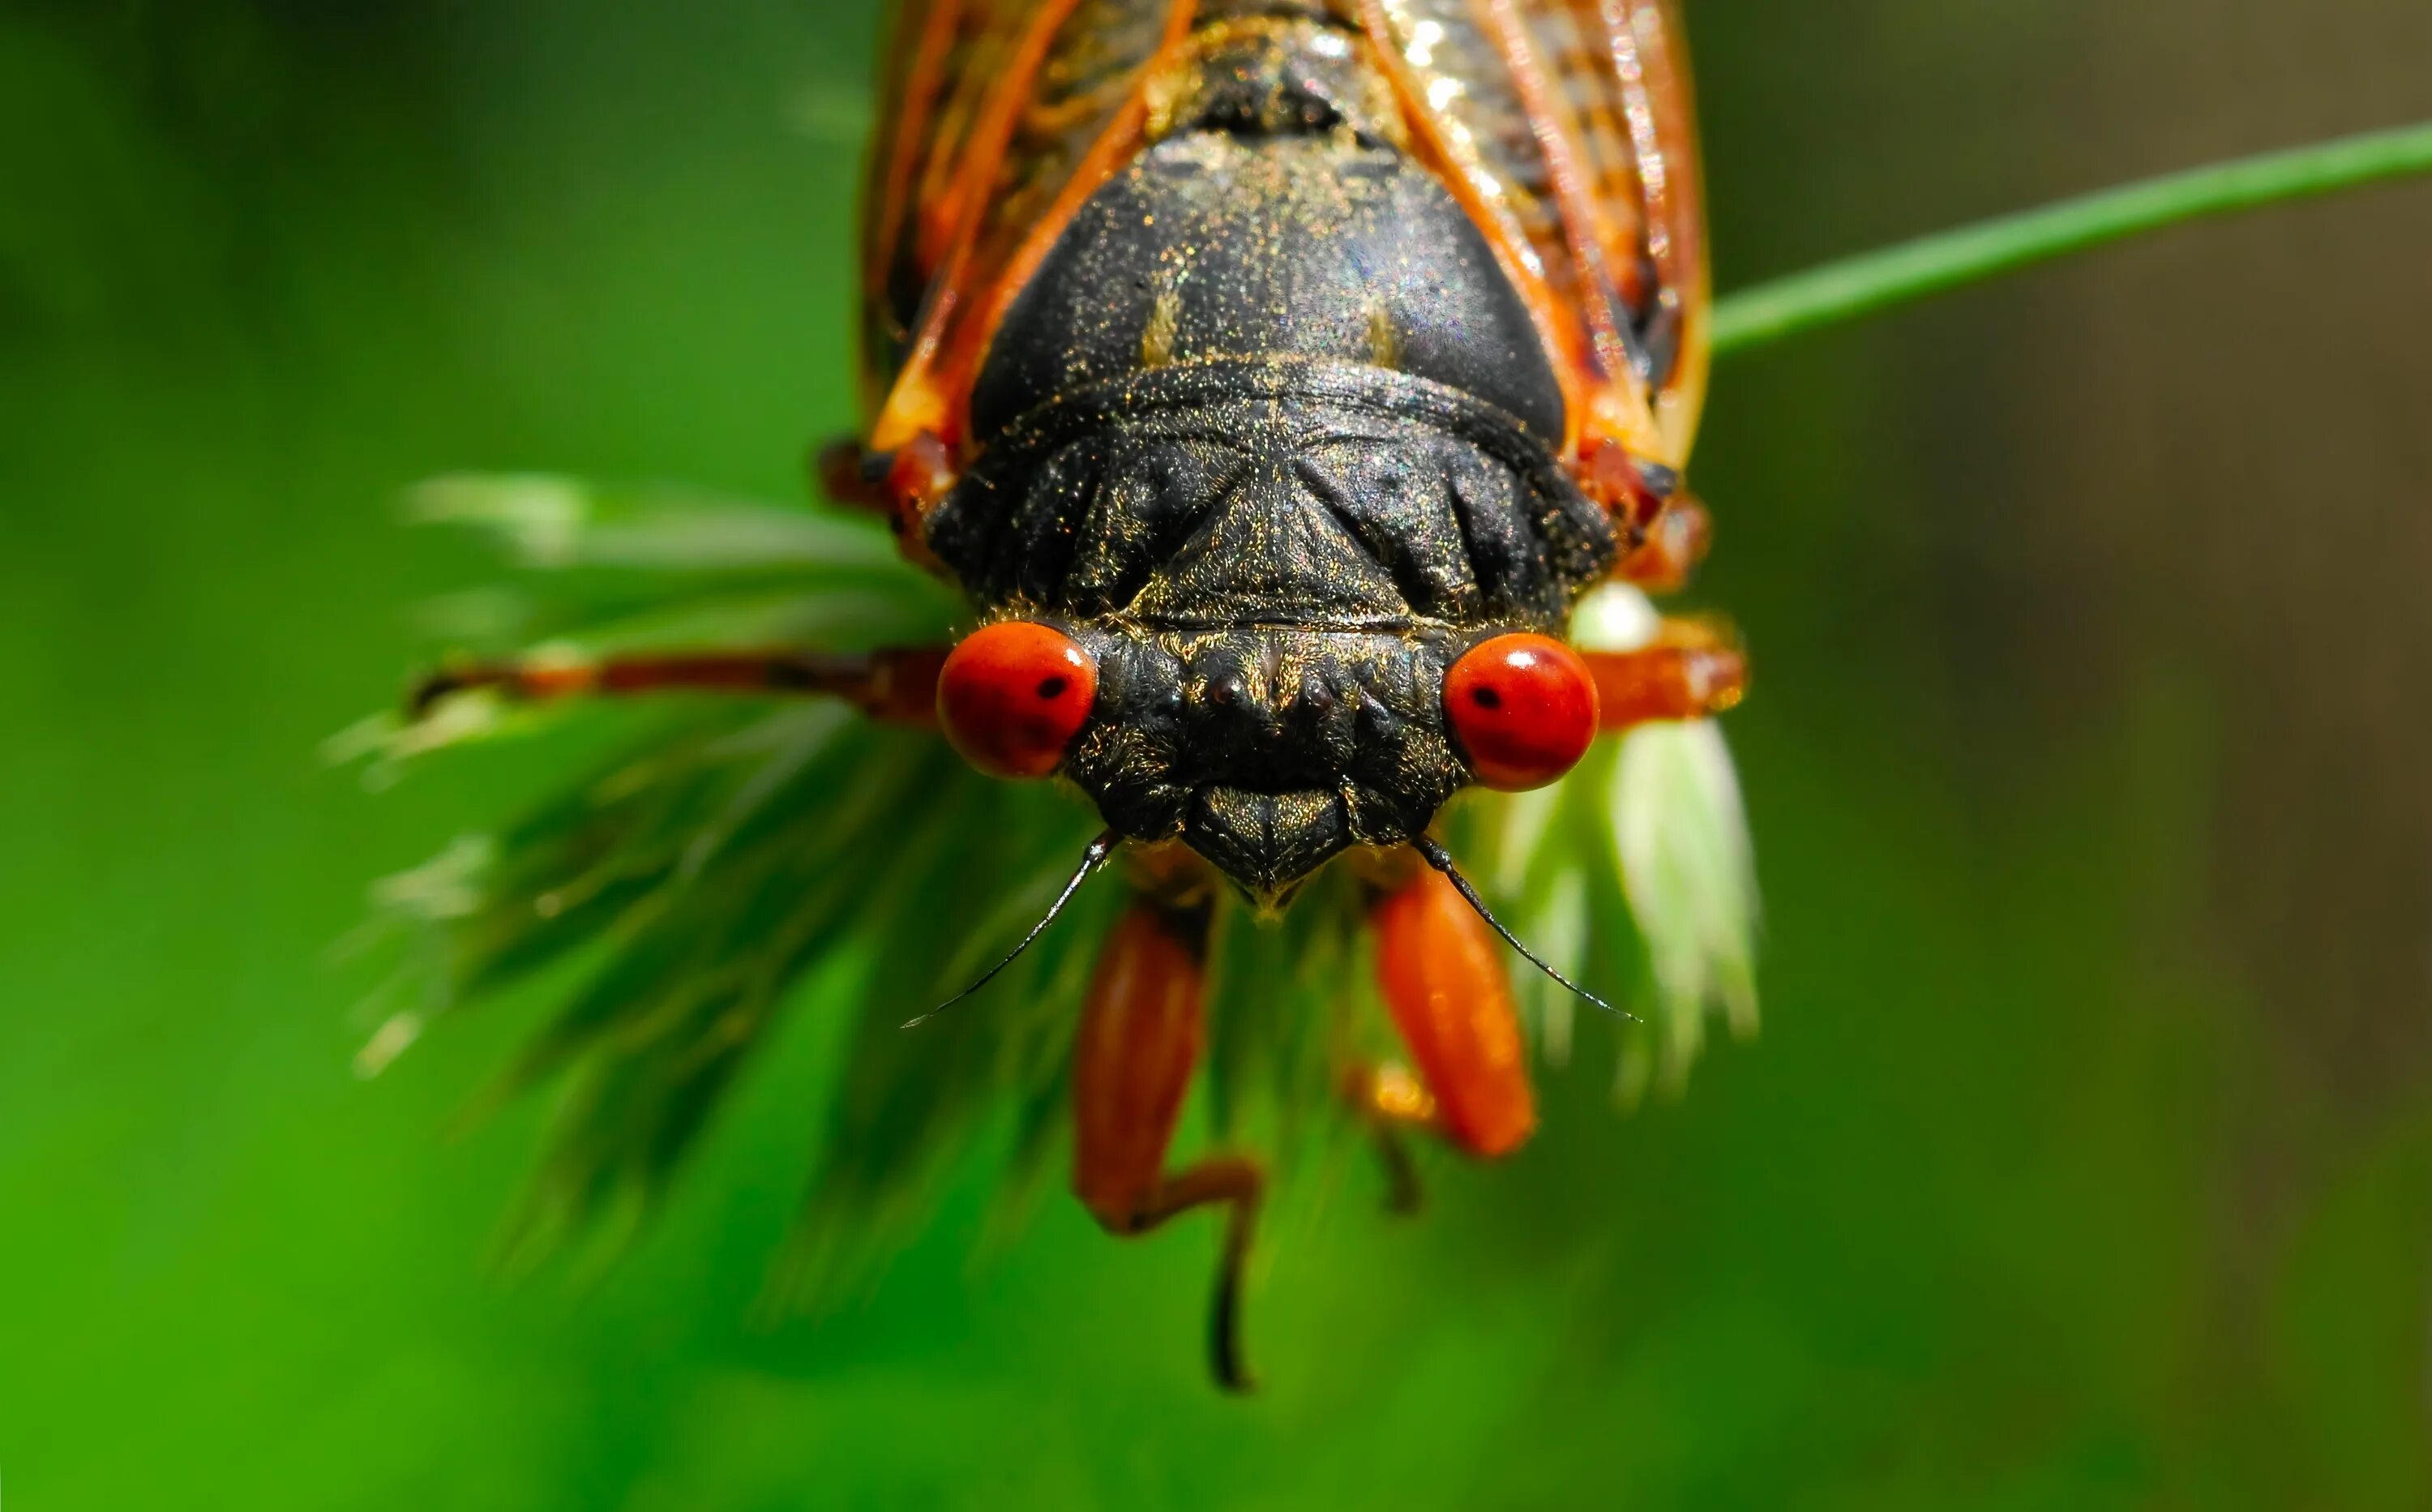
{"points": [[1859, 285]]}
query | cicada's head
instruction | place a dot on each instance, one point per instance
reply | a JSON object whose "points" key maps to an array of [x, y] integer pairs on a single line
{"points": [[1268, 750]]}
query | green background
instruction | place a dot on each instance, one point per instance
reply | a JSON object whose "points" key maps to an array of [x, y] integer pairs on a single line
{"points": [[2085, 1160]]}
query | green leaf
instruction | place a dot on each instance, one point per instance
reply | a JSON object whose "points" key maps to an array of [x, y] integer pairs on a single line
{"points": [[555, 522], [1861, 286]]}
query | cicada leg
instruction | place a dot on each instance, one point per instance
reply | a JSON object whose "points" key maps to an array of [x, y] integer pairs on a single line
{"points": [[903, 486], [1143, 1030], [1675, 544], [1441, 970], [843, 471], [1391, 1100], [1664, 532], [898, 684], [1689, 672]]}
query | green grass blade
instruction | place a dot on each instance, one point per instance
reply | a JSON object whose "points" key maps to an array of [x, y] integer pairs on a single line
{"points": [[1874, 280]]}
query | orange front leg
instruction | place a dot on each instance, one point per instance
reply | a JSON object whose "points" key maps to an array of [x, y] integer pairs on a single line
{"points": [[899, 685], [1675, 544], [1141, 1034], [1441, 970], [1688, 674]]}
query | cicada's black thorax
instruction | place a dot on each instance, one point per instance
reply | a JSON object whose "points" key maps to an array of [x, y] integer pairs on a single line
{"points": [[1269, 430]]}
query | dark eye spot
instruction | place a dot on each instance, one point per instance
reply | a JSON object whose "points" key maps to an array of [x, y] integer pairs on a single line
{"points": [[1486, 698], [1052, 689]]}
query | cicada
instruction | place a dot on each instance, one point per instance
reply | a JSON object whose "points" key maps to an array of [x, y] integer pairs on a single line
{"points": [[1274, 379]]}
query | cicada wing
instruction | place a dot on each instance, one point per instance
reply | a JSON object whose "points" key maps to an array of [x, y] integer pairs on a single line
{"points": [[998, 117], [1665, 151], [1568, 129]]}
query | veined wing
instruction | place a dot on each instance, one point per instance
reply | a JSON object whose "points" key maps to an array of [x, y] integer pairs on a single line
{"points": [[998, 118], [1568, 127]]}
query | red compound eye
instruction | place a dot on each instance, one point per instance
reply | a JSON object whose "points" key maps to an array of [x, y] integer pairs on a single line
{"points": [[1012, 696], [1524, 709]]}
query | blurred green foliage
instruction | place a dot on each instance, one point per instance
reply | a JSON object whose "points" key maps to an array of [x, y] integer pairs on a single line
{"points": [[2087, 1158], [696, 880]]}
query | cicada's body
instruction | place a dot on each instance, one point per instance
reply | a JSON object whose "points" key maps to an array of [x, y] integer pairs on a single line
{"points": [[1275, 377], [1277, 356]]}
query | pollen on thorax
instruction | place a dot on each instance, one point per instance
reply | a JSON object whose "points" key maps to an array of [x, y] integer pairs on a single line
{"points": [[1384, 343], [1157, 338]]}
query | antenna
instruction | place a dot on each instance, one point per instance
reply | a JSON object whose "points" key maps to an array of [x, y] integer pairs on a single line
{"points": [[1092, 859], [1440, 859]]}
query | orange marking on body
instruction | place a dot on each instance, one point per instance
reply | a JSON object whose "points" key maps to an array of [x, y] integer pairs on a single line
{"points": [[917, 481], [1674, 682], [1441, 971]]}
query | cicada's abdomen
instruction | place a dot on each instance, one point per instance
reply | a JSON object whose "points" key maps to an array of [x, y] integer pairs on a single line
{"points": [[1270, 431]]}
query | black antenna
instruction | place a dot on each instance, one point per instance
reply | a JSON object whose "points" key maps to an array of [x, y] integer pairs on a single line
{"points": [[1442, 860], [1091, 860]]}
